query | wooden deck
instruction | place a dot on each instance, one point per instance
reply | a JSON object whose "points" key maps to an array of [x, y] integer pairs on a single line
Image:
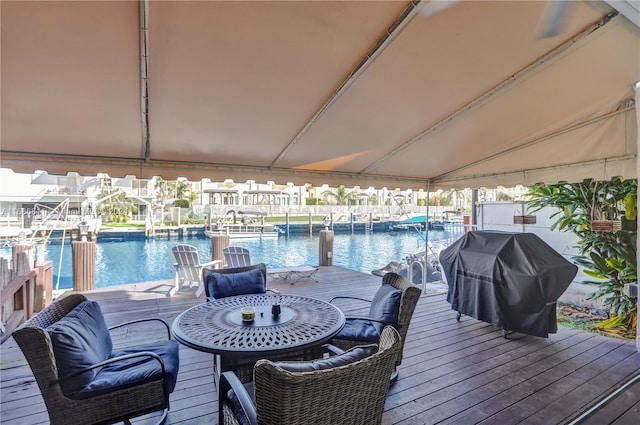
{"points": [[452, 373]]}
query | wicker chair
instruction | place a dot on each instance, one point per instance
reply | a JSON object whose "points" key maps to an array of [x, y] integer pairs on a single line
{"points": [[353, 393], [366, 329], [108, 405]]}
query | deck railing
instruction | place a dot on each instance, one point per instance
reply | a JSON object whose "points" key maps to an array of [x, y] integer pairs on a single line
{"points": [[25, 288]]}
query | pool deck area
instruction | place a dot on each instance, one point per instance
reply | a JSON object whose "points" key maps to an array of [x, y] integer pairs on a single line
{"points": [[452, 372]]}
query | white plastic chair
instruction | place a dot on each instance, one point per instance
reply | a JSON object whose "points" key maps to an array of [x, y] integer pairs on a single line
{"points": [[188, 268], [236, 256]]}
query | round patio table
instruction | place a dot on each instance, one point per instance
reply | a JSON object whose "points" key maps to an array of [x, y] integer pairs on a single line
{"points": [[217, 327]]}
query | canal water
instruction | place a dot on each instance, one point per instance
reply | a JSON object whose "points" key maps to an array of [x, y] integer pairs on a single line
{"points": [[142, 260]]}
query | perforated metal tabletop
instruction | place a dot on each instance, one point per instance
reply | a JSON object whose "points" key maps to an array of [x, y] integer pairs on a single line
{"points": [[217, 326]]}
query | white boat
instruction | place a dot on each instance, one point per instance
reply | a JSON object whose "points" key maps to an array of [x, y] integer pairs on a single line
{"points": [[14, 232], [240, 231], [245, 228]]}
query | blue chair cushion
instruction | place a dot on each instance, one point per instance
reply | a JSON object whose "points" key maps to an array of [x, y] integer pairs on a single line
{"points": [[358, 329], [79, 340], [221, 285], [385, 306], [352, 355], [135, 371], [232, 398]]}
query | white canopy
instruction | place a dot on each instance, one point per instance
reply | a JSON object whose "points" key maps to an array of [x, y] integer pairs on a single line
{"points": [[368, 93]]}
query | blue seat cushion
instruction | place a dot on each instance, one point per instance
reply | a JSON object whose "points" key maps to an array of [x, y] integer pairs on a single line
{"points": [[80, 340], [221, 285], [352, 355], [135, 371], [357, 329], [385, 305]]}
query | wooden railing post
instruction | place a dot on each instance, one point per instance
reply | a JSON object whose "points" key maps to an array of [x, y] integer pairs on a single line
{"points": [[16, 292], [19, 266], [44, 285]]}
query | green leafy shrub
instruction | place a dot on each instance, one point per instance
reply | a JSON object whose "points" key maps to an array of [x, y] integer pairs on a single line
{"points": [[607, 256]]}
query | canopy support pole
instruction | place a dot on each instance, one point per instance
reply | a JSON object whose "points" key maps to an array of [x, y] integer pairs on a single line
{"points": [[144, 78], [637, 102]]}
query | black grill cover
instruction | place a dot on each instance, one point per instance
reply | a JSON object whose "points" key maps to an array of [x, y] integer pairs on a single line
{"points": [[511, 280]]}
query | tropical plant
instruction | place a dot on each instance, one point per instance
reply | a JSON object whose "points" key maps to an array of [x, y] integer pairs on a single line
{"points": [[501, 196], [314, 201], [163, 191], [179, 188], [116, 206], [445, 198], [192, 196], [440, 198], [340, 196], [609, 257]]}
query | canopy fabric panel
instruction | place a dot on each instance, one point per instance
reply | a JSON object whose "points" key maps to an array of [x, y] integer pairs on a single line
{"points": [[70, 77], [381, 93]]}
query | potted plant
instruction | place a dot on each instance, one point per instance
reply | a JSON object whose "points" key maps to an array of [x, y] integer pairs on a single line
{"points": [[603, 215]]}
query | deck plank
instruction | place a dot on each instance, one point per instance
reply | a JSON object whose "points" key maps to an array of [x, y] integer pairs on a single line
{"points": [[453, 372]]}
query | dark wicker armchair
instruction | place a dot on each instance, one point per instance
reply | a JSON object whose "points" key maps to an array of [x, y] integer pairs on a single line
{"points": [[348, 389], [393, 305], [124, 384]]}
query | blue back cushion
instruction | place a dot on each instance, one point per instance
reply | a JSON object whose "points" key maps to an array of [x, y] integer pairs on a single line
{"points": [[223, 285], [385, 305], [79, 340]]}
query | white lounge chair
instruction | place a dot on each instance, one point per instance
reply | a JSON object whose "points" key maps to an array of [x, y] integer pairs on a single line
{"points": [[236, 256], [188, 268]]}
